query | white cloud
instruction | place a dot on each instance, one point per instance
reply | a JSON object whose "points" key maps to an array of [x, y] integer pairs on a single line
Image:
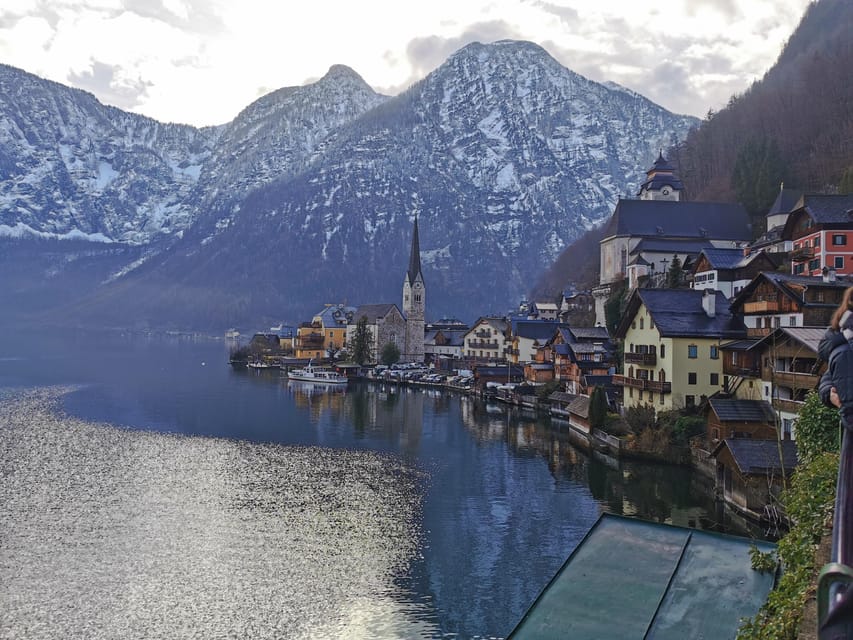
{"points": [[202, 61]]}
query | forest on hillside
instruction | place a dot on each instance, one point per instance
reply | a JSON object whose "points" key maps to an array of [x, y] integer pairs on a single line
{"points": [[794, 126]]}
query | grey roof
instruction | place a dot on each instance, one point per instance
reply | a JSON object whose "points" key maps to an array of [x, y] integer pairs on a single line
{"points": [[731, 258], [587, 347], [679, 313], [786, 201], [828, 209], [541, 330], [541, 366], [653, 218], [670, 245], [336, 314], [661, 174], [741, 345], [374, 312], [760, 456], [734, 410], [561, 396], [809, 337], [580, 406], [589, 333]]}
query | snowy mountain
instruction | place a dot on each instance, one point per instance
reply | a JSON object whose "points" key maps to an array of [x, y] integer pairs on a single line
{"points": [[308, 196]]}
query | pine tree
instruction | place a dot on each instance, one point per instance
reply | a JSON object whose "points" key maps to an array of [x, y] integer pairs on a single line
{"points": [[361, 341], [675, 273]]}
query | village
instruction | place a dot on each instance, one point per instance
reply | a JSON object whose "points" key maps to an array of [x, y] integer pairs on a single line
{"points": [[698, 345]]}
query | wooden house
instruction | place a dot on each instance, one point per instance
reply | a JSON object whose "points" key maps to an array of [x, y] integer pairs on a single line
{"points": [[734, 418], [729, 270]]}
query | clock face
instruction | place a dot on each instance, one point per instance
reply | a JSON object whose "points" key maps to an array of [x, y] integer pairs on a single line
{"points": [[417, 285], [665, 191]]}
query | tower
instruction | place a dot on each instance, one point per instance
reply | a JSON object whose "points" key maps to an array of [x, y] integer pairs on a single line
{"points": [[661, 182], [414, 303]]}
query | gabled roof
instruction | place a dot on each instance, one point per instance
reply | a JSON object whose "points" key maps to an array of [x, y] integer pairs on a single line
{"points": [[580, 406], [679, 313], [826, 210], [374, 312], [793, 286], [496, 323], [662, 218], [541, 330], [809, 337], [733, 258], [735, 410], [759, 456], [670, 245], [335, 315], [561, 396], [589, 333]]}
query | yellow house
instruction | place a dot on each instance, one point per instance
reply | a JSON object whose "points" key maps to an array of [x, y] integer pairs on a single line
{"points": [[671, 342], [326, 332]]}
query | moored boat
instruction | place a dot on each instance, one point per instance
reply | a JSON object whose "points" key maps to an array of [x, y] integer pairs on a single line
{"points": [[309, 373]]}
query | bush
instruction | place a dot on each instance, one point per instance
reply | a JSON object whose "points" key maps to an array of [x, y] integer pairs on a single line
{"points": [[641, 418], [817, 427], [687, 427]]}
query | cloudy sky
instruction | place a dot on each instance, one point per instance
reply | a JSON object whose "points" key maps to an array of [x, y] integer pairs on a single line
{"points": [[202, 61]]}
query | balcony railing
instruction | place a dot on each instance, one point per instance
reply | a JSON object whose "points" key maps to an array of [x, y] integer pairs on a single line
{"points": [[795, 380], [741, 372], [659, 387], [762, 306], [803, 253], [483, 333], [789, 406], [482, 344], [758, 332], [625, 381], [648, 359]]}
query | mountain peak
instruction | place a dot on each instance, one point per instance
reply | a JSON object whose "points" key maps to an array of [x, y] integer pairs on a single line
{"points": [[341, 73]]}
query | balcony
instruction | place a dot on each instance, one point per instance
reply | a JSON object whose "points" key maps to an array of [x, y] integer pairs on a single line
{"points": [[762, 306], [659, 387], [483, 333], [802, 253], [647, 359], [482, 344], [789, 406], [741, 372], [758, 332], [625, 381], [795, 379]]}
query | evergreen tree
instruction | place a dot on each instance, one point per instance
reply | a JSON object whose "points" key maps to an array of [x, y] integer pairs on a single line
{"points": [[675, 273], [361, 341], [597, 408], [758, 172]]}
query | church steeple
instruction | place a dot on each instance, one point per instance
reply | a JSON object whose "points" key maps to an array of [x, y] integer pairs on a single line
{"points": [[414, 302], [662, 183], [415, 256]]}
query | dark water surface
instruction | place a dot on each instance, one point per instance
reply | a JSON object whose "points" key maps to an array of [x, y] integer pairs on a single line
{"points": [[233, 504]]}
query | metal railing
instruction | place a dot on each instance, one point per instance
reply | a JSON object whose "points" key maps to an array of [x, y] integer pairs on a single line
{"points": [[835, 584]]}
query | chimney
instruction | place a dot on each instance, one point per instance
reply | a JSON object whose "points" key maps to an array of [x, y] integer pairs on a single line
{"points": [[709, 302], [828, 274]]}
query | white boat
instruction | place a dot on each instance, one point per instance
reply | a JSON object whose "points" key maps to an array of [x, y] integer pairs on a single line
{"points": [[232, 334], [311, 374]]}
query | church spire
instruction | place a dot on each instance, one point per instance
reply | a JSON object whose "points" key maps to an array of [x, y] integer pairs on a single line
{"points": [[415, 256]]}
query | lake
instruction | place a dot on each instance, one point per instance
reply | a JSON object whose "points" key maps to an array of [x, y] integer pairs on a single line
{"points": [[149, 491]]}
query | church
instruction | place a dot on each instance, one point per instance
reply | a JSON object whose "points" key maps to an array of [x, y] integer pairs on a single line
{"points": [[644, 233]]}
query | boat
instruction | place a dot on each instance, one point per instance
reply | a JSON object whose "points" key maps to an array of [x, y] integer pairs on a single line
{"points": [[232, 334], [261, 365], [310, 373]]}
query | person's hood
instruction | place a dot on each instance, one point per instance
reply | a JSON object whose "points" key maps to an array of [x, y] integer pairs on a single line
{"points": [[831, 339]]}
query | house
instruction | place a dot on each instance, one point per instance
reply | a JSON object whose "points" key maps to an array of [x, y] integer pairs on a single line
{"points": [[385, 324], [729, 270], [545, 310], [332, 322], [527, 336], [790, 369], [734, 418], [498, 374], [666, 227], [560, 401], [538, 372], [579, 352], [444, 345], [309, 343], [749, 472], [486, 340], [579, 414], [576, 304], [821, 231], [776, 299], [672, 343]]}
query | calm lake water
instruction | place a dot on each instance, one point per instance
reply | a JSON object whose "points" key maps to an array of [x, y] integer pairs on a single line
{"points": [[149, 491]]}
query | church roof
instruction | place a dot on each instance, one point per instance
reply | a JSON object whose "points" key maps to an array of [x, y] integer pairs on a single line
{"points": [[660, 175], [666, 245], [415, 256], [373, 312], [786, 201], [687, 220]]}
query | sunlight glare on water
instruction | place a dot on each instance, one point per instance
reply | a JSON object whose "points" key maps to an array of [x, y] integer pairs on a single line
{"points": [[111, 533]]}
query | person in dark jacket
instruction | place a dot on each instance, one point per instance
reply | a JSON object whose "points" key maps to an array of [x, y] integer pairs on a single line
{"points": [[836, 385]]}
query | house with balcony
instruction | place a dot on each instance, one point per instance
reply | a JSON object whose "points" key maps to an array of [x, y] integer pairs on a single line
{"points": [[774, 300], [820, 229], [671, 343], [487, 340], [729, 270], [577, 355]]}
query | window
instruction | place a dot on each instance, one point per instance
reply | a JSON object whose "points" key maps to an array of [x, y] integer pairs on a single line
{"points": [[777, 322], [651, 323], [663, 351], [715, 352], [661, 399], [792, 321], [691, 377], [690, 401], [642, 323], [630, 392], [839, 262], [839, 239], [814, 264], [816, 242], [692, 351], [715, 379], [799, 268]]}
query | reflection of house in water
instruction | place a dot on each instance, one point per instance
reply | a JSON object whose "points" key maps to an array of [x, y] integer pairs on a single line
{"points": [[317, 398], [392, 412]]}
